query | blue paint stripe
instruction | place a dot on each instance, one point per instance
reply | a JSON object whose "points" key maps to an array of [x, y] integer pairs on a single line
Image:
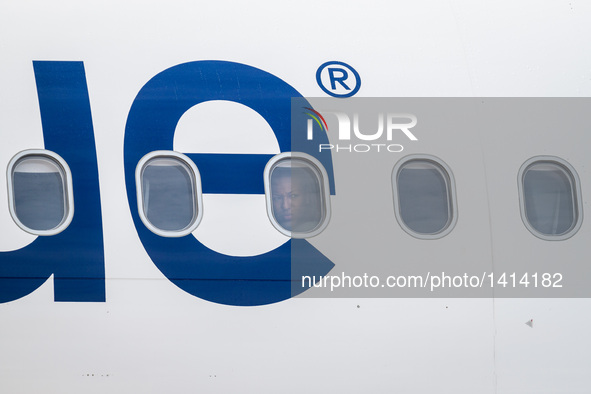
{"points": [[231, 173]]}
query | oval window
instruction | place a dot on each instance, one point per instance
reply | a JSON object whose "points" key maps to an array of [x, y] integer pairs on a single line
{"points": [[297, 195], [549, 198], [424, 196], [40, 192], [169, 193]]}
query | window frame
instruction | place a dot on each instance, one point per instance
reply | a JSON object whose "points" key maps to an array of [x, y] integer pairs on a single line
{"points": [[450, 184], [575, 183], [196, 187], [316, 166], [66, 176]]}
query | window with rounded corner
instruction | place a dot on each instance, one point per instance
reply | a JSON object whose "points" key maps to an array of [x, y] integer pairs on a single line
{"points": [[550, 200], [424, 196], [40, 193], [169, 193], [296, 189]]}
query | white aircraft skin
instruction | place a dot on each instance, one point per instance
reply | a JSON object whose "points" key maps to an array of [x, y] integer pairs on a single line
{"points": [[149, 336]]}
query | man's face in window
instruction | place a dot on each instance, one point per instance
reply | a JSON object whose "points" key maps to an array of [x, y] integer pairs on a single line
{"points": [[288, 199], [295, 206]]}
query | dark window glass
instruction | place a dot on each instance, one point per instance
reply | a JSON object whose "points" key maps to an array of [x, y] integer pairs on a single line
{"points": [[548, 194], [39, 194], [169, 201], [423, 196]]}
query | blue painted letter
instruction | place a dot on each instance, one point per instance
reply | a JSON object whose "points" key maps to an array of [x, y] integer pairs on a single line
{"points": [[75, 256]]}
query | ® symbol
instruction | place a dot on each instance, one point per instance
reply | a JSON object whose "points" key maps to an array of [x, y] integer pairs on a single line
{"points": [[338, 79]]}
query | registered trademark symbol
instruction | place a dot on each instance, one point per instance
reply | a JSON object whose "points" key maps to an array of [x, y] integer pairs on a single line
{"points": [[338, 79]]}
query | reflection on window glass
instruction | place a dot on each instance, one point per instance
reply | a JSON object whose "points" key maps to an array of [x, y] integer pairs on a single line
{"points": [[39, 193], [296, 196], [169, 201], [549, 198], [423, 193]]}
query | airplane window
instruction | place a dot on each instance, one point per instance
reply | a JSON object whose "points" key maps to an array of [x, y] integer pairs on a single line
{"points": [[40, 192], [424, 196], [170, 197], [297, 195], [549, 195]]}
